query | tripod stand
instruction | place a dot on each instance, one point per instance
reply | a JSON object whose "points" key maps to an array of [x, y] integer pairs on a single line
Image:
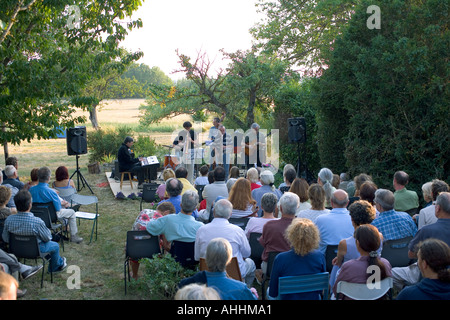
{"points": [[302, 168], [80, 177]]}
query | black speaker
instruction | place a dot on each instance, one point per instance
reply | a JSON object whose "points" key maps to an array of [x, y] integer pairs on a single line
{"points": [[76, 141], [297, 130]]}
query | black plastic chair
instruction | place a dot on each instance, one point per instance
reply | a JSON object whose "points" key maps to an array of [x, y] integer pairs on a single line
{"points": [[183, 252], [256, 249], [140, 244], [266, 277], [396, 252], [27, 247], [330, 254], [148, 193], [240, 222], [200, 188], [43, 213]]}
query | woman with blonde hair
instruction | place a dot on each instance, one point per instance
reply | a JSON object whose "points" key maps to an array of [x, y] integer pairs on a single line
{"points": [[304, 258], [161, 191], [241, 198], [316, 195], [253, 177]]}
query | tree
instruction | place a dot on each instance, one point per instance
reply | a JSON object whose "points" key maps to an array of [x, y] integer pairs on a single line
{"points": [[48, 53], [300, 30], [246, 85], [385, 93]]}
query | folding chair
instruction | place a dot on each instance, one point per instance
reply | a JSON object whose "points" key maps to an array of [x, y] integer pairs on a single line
{"points": [[140, 244], [240, 222], [330, 254], [256, 248], [266, 277], [304, 283], [183, 252], [396, 252], [361, 291], [27, 247], [232, 268], [148, 193], [44, 211]]}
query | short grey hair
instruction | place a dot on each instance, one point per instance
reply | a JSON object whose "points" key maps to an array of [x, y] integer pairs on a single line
{"points": [[289, 203], [223, 209], [255, 126], [218, 254], [269, 202], [44, 174], [230, 183], [189, 201], [10, 170], [443, 200], [385, 198], [267, 178]]}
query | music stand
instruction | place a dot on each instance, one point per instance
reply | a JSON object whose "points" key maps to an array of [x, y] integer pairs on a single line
{"points": [[80, 177]]}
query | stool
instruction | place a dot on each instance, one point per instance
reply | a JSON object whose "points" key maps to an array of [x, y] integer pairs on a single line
{"points": [[129, 177]]}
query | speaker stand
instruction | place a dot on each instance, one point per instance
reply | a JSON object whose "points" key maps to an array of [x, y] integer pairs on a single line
{"points": [[302, 168], [81, 178]]}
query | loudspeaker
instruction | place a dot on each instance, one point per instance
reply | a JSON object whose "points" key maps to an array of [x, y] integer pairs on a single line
{"points": [[76, 141], [297, 130]]}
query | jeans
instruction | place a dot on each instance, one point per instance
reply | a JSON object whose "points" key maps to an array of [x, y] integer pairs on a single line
{"points": [[52, 248]]}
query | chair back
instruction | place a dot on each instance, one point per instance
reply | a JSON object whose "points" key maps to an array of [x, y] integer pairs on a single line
{"points": [[149, 192], [141, 244], [330, 254], [50, 207], [396, 252], [240, 222], [270, 260], [183, 252], [256, 248], [26, 247], [304, 283], [232, 268], [200, 188], [44, 214], [66, 193], [362, 291]]}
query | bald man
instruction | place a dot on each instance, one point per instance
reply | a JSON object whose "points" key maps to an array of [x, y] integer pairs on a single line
{"points": [[337, 224], [8, 286]]}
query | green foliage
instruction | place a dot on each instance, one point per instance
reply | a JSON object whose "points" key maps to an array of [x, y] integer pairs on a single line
{"points": [[104, 144], [161, 277], [384, 101]]}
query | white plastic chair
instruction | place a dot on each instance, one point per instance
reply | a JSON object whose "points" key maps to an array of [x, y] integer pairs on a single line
{"points": [[362, 291]]}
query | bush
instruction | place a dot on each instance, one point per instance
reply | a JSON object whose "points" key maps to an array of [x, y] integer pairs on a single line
{"points": [[105, 143]]}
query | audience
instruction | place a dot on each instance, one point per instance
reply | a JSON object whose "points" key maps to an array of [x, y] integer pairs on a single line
{"points": [[337, 224], [288, 176], [12, 177], [161, 190], [195, 291], [344, 179], [439, 230], [234, 173], [427, 215], [302, 259], [269, 206], [14, 191], [181, 173], [392, 224], [8, 287], [220, 227], [427, 193], [42, 193], [203, 178], [267, 179], [300, 187], [244, 206], [25, 223], [173, 190], [215, 189], [13, 161], [272, 238], [316, 195], [62, 179], [325, 178], [253, 177], [218, 253], [34, 179], [368, 240], [405, 199], [286, 168], [361, 212], [433, 261]]}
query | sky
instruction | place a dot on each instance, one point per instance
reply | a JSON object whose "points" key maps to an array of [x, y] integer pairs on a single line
{"points": [[191, 26]]}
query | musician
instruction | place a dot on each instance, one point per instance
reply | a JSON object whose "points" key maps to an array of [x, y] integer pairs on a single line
{"points": [[127, 161], [184, 144], [213, 132], [227, 147], [255, 147]]}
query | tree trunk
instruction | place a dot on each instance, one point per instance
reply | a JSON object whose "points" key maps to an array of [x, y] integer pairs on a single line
{"points": [[5, 144], [93, 117]]}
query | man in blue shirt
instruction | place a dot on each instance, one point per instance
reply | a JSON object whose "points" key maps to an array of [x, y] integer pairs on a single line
{"points": [[42, 193], [392, 224], [25, 223], [337, 224]]}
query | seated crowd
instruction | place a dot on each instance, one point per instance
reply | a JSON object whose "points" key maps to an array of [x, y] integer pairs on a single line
{"points": [[16, 217], [296, 220]]}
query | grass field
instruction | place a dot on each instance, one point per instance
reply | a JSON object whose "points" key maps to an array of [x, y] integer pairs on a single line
{"points": [[101, 262]]}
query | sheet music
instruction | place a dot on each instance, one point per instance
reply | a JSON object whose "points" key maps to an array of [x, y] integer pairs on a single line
{"points": [[146, 161]]}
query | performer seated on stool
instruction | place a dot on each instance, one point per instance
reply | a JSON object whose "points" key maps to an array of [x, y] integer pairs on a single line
{"points": [[127, 161]]}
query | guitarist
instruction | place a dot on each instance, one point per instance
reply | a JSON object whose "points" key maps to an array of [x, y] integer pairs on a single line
{"points": [[255, 147], [185, 144]]}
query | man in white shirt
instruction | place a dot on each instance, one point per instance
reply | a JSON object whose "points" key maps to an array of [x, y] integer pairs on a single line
{"points": [[221, 228]]}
